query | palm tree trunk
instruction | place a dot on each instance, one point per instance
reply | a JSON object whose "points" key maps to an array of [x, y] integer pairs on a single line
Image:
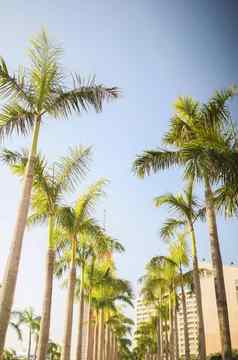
{"points": [[79, 347], [185, 320], [197, 287], [101, 335], [176, 334], [166, 340], [11, 270], [66, 348], [110, 345], [171, 328], [95, 342], [158, 328], [220, 290], [29, 345], [107, 343], [89, 336], [46, 311]]}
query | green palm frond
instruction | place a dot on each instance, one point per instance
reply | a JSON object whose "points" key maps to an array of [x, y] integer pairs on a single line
{"points": [[176, 203], [72, 168], [155, 160], [14, 86], [178, 250], [81, 97], [167, 230], [226, 199], [15, 118], [37, 219], [86, 203], [45, 72]]}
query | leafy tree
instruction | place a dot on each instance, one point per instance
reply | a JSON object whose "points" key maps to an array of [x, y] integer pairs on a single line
{"points": [[186, 210], [203, 141], [77, 226], [50, 184], [34, 93], [28, 318]]}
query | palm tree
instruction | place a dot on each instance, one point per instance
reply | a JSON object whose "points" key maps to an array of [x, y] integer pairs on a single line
{"points": [[28, 318], [32, 94], [107, 289], [77, 227], [179, 255], [187, 210], [49, 186], [205, 144]]}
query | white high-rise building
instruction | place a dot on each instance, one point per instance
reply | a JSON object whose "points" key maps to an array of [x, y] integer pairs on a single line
{"points": [[143, 312]]}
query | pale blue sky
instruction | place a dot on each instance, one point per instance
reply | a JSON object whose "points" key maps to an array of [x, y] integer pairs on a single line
{"points": [[154, 51]]}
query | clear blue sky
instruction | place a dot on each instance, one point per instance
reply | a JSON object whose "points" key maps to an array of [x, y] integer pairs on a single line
{"points": [[154, 50]]}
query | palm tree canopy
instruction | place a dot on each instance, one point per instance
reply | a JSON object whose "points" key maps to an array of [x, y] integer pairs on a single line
{"points": [[203, 141], [44, 89]]}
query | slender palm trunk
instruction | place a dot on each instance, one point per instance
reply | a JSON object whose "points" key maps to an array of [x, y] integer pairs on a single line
{"points": [[158, 328], [171, 330], [176, 339], [185, 320], [66, 349], [46, 310], [90, 331], [220, 290], [197, 287], [29, 345], [101, 335], [107, 343], [11, 270], [95, 341], [111, 345], [166, 340], [81, 317]]}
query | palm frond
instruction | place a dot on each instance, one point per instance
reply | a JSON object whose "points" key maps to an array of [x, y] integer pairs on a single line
{"points": [[80, 98], [45, 73], [37, 219], [72, 168], [14, 86], [226, 199], [176, 203], [155, 160], [86, 203], [15, 118], [169, 227]]}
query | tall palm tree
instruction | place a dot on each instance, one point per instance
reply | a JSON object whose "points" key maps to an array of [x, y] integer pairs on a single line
{"points": [[33, 94], [179, 255], [187, 210], [203, 141], [160, 281], [107, 290], [28, 318], [77, 227], [49, 186]]}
